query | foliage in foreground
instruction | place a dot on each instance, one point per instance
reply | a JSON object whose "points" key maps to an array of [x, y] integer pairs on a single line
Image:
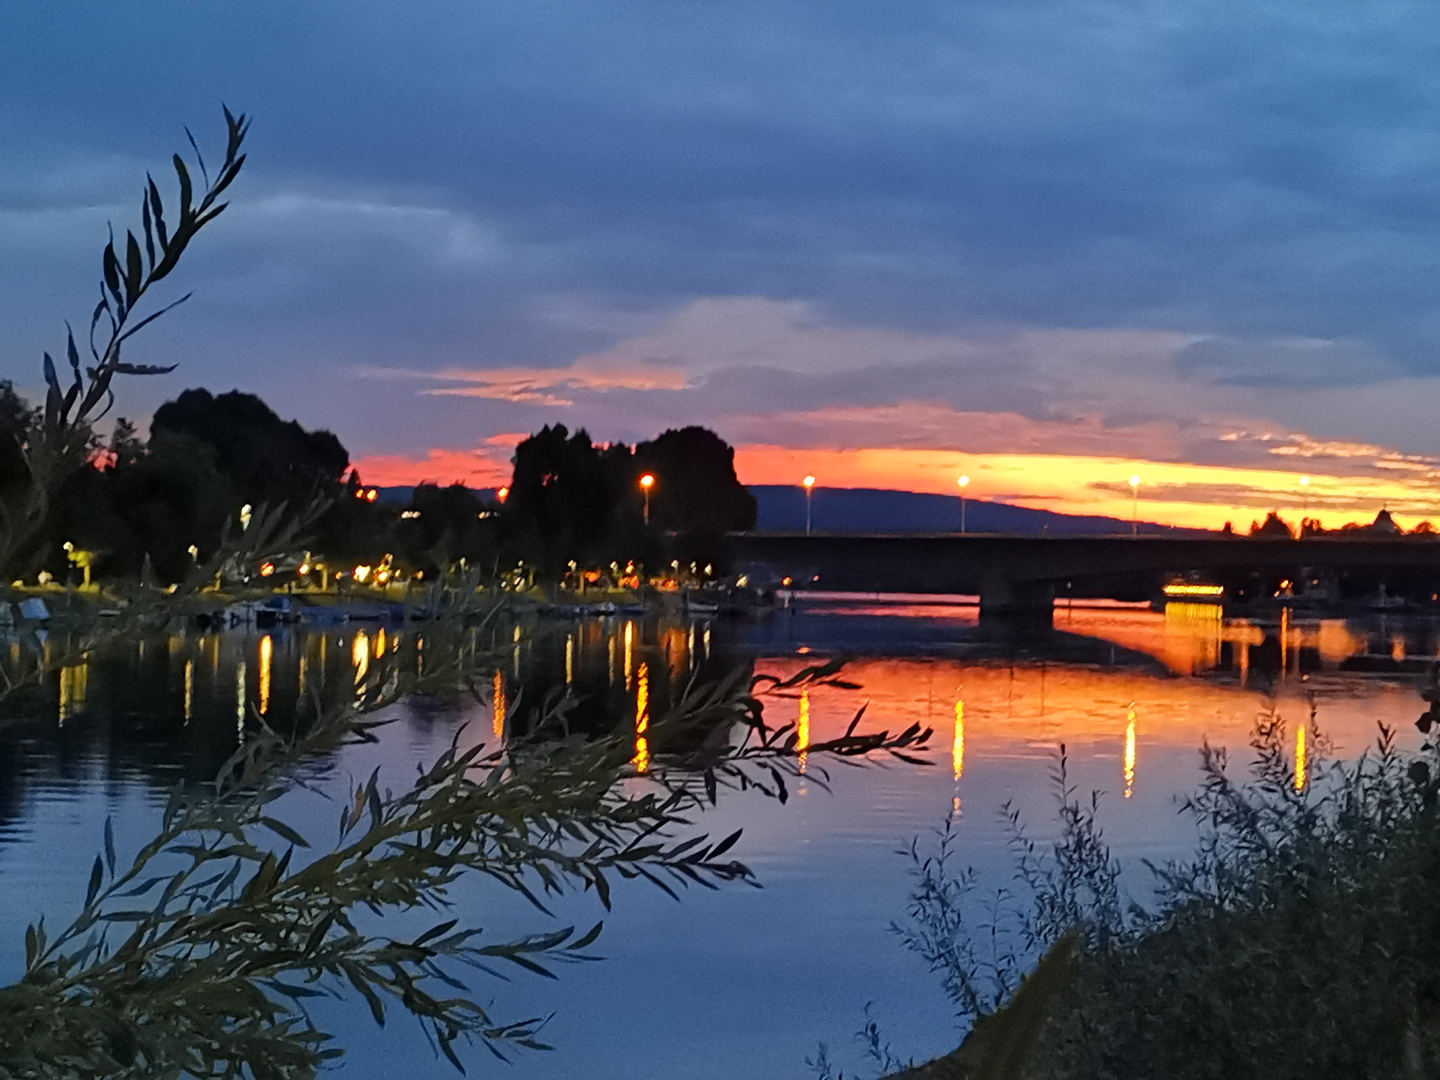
{"points": [[199, 957], [1301, 940], [58, 439]]}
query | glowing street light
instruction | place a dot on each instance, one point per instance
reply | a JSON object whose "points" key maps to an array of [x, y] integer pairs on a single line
{"points": [[809, 484], [963, 482], [502, 495], [1135, 505], [646, 483]]}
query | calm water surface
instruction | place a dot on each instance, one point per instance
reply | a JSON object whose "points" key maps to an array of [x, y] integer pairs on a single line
{"points": [[740, 982]]}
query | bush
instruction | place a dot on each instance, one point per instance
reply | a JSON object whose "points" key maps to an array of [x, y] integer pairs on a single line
{"points": [[1302, 939]]}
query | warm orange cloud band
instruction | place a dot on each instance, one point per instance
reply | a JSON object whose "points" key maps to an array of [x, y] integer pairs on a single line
{"points": [[1203, 496]]}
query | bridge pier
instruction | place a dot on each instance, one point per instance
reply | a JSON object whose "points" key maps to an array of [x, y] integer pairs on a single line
{"points": [[1026, 607]]}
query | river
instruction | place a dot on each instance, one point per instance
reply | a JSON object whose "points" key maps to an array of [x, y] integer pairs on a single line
{"points": [[741, 981]]}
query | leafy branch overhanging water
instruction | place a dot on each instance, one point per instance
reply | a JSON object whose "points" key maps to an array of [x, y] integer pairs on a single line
{"points": [[198, 958]]}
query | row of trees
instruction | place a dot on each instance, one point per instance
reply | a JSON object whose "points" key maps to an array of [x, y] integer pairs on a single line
{"points": [[573, 500], [1274, 527], [151, 507]]}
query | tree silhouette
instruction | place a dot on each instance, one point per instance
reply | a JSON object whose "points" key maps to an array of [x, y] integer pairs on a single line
{"points": [[696, 489], [1273, 528]]}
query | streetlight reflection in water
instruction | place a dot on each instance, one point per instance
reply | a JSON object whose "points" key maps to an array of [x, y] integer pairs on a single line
{"points": [[642, 719], [1130, 753]]}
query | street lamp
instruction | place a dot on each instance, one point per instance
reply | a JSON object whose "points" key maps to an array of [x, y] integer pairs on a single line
{"points": [[646, 483], [809, 484], [1135, 505], [502, 495], [963, 482]]}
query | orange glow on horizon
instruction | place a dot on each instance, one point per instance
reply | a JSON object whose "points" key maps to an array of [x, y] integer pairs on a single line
{"points": [[1174, 493]]}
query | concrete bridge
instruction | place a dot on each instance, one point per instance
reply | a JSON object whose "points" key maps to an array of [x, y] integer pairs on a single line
{"points": [[1016, 576]]}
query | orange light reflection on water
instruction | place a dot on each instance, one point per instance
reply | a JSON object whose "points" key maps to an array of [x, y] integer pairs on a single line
{"points": [[267, 652], [1130, 754], [189, 688], [957, 742], [497, 705], [360, 654], [1013, 713], [802, 731], [642, 713]]}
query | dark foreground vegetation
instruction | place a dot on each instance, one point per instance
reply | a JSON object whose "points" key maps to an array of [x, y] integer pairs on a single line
{"points": [[1302, 940]]}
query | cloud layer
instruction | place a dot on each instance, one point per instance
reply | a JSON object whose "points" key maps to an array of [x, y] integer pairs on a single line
{"points": [[1151, 232]]}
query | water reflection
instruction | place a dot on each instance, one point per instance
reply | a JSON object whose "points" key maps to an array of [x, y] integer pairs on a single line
{"points": [[267, 652], [1130, 752], [241, 700], [957, 742], [135, 720], [74, 681], [802, 731], [179, 706], [497, 705], [360, 654], [642, 720]]}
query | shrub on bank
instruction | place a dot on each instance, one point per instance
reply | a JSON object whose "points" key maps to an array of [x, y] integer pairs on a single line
{"points": [[1302, 939]]}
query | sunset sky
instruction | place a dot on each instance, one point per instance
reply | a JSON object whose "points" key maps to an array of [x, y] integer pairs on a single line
{"points": [[1048, 245]]}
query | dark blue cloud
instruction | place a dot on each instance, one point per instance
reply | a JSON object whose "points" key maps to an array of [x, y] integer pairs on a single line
{"points": [[431, 182]]}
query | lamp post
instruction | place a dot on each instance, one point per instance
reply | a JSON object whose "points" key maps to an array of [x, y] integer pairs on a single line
{"points": [[1305, 487], [1135, 505], [646, 483], [809, 485], [963, 482], [502, 495]]}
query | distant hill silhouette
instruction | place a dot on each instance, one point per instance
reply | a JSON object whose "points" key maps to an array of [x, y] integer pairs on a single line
{"points": [[877, 510], [873, 510]]}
